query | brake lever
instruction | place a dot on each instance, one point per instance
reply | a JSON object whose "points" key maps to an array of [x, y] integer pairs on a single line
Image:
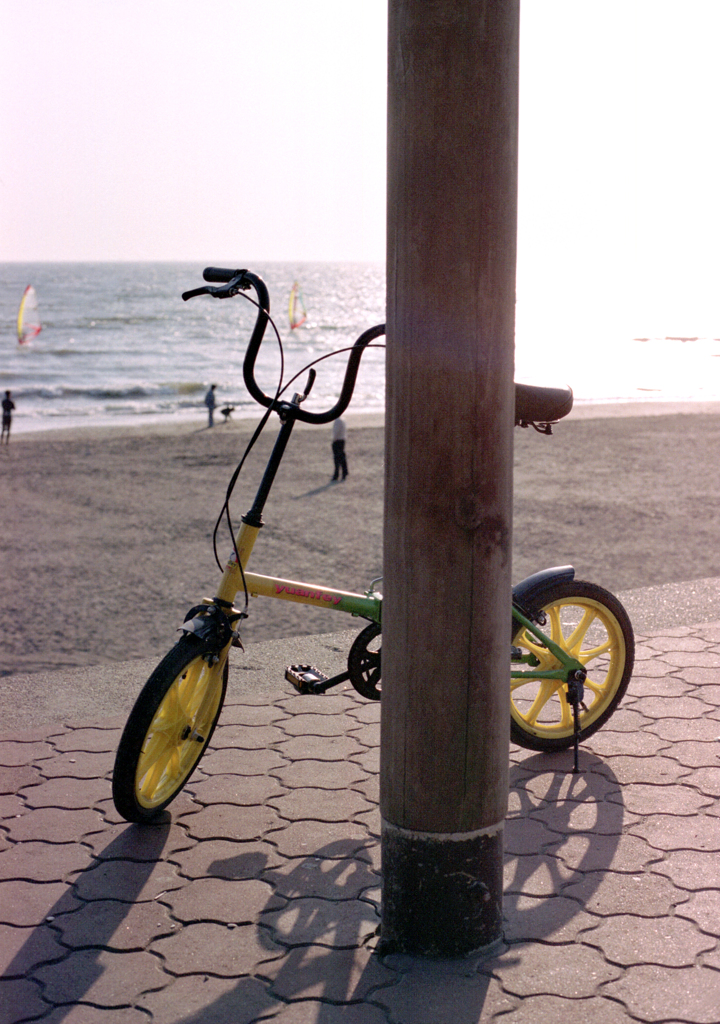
{"points": [[238, 284], [196, 291]]}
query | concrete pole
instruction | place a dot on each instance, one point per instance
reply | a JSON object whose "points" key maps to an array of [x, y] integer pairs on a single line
{"points": [[452, 201]]}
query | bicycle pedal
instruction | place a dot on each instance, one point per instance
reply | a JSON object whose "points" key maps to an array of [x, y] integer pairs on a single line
{"points": [[304, 677]]}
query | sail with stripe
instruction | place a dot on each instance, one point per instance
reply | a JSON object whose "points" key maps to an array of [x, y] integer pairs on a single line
{"points": [[28, 321], [296, 307]]}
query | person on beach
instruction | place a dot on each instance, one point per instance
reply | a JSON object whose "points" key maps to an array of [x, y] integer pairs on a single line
{"points": [[210, 403], [339, 434], [7, 410]]}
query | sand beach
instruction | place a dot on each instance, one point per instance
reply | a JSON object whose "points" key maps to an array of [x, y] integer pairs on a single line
{"points": [[107, 532]]}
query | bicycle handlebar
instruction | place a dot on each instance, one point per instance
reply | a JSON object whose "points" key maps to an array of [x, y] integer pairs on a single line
{"points": [[241, 280]]}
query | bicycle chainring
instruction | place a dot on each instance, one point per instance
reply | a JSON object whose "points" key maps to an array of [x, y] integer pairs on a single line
{"points": [[364, 662]]}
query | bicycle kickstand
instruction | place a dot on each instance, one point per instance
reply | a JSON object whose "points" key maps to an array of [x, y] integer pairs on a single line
{"points": [[575, 695]]}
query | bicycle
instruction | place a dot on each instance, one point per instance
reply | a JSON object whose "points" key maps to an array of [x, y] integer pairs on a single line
{"points": [[571, 651]]}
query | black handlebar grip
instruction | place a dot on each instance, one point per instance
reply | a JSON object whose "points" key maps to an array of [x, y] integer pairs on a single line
{"points": [[219, 274]]}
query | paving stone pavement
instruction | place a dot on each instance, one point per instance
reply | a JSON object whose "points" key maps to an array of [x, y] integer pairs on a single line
{"points": [[257, 898]]}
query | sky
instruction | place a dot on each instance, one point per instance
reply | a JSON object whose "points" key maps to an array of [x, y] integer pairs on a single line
{"points": [[245, 131]]}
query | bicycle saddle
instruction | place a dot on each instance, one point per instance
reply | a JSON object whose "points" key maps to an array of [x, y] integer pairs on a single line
{"points": [[543, 406]]}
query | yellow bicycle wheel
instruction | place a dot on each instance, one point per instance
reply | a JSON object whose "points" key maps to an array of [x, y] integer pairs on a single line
{"points": [[168, 730], [593, 627]]}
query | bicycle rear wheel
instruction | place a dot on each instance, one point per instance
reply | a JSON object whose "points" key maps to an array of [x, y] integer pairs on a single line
{"points": [[591, 625], [168, 730]]}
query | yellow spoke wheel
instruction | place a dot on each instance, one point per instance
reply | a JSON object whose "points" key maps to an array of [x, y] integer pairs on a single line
{"points": [[168, 730], [592, 626]]}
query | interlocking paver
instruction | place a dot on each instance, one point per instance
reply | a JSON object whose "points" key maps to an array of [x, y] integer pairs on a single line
{"points": [[22, 949], [524, 835], [222, 901], [84, 1013], [87, 740], [226, 821], [659, 685], [101, 977], [243, 790], [531, 918], [343, 879], [204, 999], [257, 896], [574, 971], [15, 754], [127, 880], [693, 754], [114, 925], [699, 730], [624, 853], [43, 862], [704, 909], [607, 893], [668, 832], [708, 781], [226, 951], [18, 992], [303, 838], [46, 825], [669, 941], [319, 805], [552, 1009], [77, 764], [440, 993], [665, 799], [66, 793], [224, 858], [315, 725], [678, 707], [690, 869], [241, 762], [653, 993], [608, 743], [627, 770], [12, 780], [242, 737], [315, 773], [308, 1010], [251, 714], [320, 748], [335, 975]]}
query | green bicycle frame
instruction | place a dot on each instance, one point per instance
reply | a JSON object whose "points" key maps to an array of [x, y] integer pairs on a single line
{"points": [[568, 664]]}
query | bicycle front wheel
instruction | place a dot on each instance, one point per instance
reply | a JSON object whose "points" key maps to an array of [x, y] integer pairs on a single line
{"points": [[593, 627], [168, 730]]}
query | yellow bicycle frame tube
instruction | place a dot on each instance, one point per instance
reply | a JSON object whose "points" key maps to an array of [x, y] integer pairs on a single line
{"points": [[368, 606]]}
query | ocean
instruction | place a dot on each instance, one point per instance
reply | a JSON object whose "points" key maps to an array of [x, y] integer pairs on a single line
{"points": [[119, 346]]}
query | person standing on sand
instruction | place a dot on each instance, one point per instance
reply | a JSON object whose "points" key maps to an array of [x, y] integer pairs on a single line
{"points": [[7, 410], [338, 448], [210, 403]]}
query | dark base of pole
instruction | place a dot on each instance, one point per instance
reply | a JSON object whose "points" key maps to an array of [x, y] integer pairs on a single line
{"points": [[442, 895]]}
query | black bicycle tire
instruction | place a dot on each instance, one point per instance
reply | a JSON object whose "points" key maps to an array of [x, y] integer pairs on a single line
{"points": [[149, 701], [567, 590], [365, 666]]}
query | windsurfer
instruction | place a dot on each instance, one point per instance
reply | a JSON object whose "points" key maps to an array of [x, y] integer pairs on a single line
{"points": [[7, 410]]}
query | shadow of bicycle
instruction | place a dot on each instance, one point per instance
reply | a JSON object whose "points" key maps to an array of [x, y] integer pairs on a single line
{"points": [[562, 829]]}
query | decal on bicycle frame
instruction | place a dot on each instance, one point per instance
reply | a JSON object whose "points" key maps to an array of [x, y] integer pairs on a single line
{"points": [[315, 595]]}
